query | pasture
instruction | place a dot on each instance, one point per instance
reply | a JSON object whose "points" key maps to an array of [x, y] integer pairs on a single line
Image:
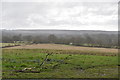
{"points": [[59, 63], [3, 45], [88, 50]]}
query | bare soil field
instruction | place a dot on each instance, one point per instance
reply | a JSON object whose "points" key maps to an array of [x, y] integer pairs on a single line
{"points": [[64, 47]]}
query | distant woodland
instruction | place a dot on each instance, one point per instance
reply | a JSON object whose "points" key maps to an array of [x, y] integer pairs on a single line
{"points": [[107, 39]]}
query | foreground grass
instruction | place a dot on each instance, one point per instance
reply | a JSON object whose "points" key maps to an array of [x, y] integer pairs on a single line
{"points": [[57, 65]]}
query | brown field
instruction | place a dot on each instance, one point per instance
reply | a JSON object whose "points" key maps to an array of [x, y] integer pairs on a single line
{"points": [[64, 47]]}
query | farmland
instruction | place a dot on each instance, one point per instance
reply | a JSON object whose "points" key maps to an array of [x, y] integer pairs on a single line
{"points": [[59, 61], [59, 39], [10, 44]]}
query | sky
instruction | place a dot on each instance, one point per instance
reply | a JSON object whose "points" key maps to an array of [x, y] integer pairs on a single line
{"points": [[60, 14]]}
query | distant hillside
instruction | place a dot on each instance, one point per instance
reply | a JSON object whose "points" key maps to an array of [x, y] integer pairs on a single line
{"points": [[56, 32], [74, 37]]}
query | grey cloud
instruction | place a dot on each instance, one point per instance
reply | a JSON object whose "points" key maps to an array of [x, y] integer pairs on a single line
{"points": [[30, 14]]}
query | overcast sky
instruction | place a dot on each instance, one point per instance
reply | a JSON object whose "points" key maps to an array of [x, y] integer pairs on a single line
{"points": [[68, 15]]}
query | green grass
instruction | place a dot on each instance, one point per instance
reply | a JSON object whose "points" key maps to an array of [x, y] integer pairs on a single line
{"points": [[57, 65]]}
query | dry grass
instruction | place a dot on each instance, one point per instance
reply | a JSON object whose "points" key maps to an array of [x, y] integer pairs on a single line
{"points": [[65, 47]]}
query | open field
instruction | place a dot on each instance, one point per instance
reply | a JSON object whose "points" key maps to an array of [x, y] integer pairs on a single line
{"points": [[10, 44], [65, 47], [59, 61]]}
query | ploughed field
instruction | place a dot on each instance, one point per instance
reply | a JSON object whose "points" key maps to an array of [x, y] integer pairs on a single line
{"points": [[59, 61]]}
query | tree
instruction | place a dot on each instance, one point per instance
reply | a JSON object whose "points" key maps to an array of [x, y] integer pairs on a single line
{"points": [[52, 38], [16, 38], [27, 38]]}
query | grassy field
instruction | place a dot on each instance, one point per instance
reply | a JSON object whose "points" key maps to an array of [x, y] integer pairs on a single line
{"points": [[87, 50], [49, 63], [10, 44]]}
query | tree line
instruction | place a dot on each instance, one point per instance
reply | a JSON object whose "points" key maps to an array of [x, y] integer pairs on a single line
{"points": [[92, 40]]}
